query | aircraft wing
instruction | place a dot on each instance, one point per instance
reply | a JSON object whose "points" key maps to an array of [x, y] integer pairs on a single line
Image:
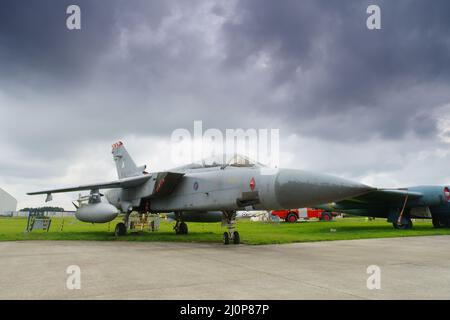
{"points": [[382, 196], [121, 183]]}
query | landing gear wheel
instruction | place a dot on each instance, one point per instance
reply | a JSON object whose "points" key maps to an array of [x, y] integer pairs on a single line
{"points": [[445, 222], [405, 226], [436, 223], [183, 228], [120, 229], [236, 238], [229, 221], [291, 217], [226, 238]]}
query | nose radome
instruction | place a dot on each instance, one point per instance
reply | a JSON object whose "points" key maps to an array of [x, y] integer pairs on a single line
{"points": [[298, 188]]}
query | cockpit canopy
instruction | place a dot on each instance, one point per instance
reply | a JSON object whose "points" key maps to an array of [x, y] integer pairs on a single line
{"points": [[225, 160]]}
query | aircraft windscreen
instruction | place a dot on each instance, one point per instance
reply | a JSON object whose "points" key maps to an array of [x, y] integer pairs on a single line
{"points": [[241, 161], [236, 160]]}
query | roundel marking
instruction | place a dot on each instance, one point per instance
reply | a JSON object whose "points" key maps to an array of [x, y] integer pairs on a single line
{"points": [[252, 184]]}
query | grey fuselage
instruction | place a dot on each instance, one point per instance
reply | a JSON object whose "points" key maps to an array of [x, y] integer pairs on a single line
{"points": [[233, 188]]}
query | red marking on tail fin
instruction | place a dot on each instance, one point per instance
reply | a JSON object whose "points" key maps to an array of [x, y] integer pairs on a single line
{"points": [[117, 144]]}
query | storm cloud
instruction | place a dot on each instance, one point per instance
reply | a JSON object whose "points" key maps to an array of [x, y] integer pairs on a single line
{"points": [[370, 105]]}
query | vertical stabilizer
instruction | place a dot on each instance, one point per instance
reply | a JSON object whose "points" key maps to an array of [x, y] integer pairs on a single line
{"points": [[124, 163]]}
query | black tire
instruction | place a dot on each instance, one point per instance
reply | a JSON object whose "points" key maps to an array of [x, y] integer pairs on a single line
{"points": [[291, 217], [445, 223], [436, 222], [120, 229], [183, 228], [326, 216], [410, 224], [226, 238], [405, 226], [236, 238]]}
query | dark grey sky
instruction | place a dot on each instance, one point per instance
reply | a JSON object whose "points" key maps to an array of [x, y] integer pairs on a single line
{"points": [[367, 105]]}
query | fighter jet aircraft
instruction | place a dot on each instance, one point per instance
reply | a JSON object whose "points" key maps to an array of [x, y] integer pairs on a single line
{"points": [[204, 191], [400, 205]]}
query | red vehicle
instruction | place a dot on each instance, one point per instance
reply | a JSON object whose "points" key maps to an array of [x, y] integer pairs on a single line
{"points": [[293, 215]]}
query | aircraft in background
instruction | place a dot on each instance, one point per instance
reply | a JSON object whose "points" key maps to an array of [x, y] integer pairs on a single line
{"points": [[399, 206], [204, 191]]}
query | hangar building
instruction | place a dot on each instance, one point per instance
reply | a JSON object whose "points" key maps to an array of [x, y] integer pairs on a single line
{"points": [[7, 202]]}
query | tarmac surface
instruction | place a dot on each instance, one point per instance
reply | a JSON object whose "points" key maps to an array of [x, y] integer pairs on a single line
{"points": [[410, 268]]}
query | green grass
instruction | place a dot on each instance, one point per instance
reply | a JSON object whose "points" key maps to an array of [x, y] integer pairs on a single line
{"points": [[251, 232]]}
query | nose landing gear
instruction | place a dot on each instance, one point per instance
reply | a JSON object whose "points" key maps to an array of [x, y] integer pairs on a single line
{"points": [[230, 235]]}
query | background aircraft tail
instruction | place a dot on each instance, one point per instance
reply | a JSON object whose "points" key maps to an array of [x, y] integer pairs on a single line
{"points": [[124, 163]]}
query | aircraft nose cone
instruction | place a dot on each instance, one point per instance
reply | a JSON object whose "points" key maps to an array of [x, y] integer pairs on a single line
{"points": [[297, 188]]}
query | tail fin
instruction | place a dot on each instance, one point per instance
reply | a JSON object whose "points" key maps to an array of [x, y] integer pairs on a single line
{"points": [[124, 163]]}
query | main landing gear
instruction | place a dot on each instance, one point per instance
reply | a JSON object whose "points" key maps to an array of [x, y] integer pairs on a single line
{"points": [[122, 227], [441, 222], [231, 235], [402, 222], [180, 226], [403, 219]]}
